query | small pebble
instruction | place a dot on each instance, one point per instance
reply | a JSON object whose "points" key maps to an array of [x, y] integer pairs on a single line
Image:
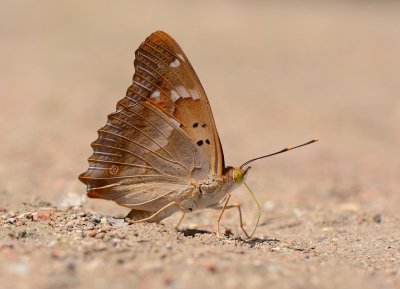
{"points": [[11, 220], [83, 214], [377, 218], [70, 223], [96, 219], [72, 217], [115, 222], [25, 216], [42, 216], [100, 235], [90, 225], [193, 226]]}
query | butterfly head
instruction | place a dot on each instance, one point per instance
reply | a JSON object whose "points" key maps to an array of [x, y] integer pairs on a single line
{"points": [[239, 174]]}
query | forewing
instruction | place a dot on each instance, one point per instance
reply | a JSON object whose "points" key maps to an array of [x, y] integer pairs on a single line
{"points": [[165, 78]]}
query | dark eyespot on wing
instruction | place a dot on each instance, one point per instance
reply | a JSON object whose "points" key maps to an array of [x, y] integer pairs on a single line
{"points": [[114, 170], [207, 141], [196, 124], [203, 125], [200, 143]]}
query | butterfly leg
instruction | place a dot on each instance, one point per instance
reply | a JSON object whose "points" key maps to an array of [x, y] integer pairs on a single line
{"points": [[167, 210], [180, 220], [222, 211], [224, 207]]}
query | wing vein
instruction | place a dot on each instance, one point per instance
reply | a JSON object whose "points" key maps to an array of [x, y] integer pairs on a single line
{"points": [[148, 100], [173, 87], [180, 132], [142, 133], [148, 121], [129, 140]]}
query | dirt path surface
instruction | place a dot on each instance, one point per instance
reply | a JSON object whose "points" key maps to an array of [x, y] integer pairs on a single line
{"points": [[276, 74]]}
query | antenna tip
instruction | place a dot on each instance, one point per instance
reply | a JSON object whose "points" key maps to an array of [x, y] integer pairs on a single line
{"points": [[289, 148], [316, 139]]}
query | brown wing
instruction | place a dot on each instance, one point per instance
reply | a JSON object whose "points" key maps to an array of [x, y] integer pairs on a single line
{"points": [[165, 78], [142, 157], [162, 136]]}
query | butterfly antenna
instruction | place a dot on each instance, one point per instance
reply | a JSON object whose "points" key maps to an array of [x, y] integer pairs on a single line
{"points": [[282, 151], [259, 209]]}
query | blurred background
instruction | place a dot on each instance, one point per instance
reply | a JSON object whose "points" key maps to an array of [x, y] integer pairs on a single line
{"points": [[277, 73]]}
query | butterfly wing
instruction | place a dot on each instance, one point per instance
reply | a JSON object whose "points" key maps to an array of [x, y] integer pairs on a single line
{"points": [[165, 76], [141, 156], [150, 148]]}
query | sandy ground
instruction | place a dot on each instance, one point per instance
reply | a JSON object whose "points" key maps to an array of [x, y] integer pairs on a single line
{"points": [[276, 74]]}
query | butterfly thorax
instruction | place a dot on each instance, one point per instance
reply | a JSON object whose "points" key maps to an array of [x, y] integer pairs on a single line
{"points": [[208, 194]]}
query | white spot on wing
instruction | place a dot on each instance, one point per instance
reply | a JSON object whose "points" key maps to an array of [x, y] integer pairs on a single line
{"points": [[175, 63], [180, 56], [174, 96], [194, 94], [182, 91], [155, 95]]}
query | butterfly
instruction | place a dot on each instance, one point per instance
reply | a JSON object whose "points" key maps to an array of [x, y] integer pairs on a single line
{"points": [[160, 152]]}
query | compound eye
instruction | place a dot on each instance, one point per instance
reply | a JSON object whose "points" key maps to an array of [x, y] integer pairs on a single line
{"points": [[238, 176]]}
